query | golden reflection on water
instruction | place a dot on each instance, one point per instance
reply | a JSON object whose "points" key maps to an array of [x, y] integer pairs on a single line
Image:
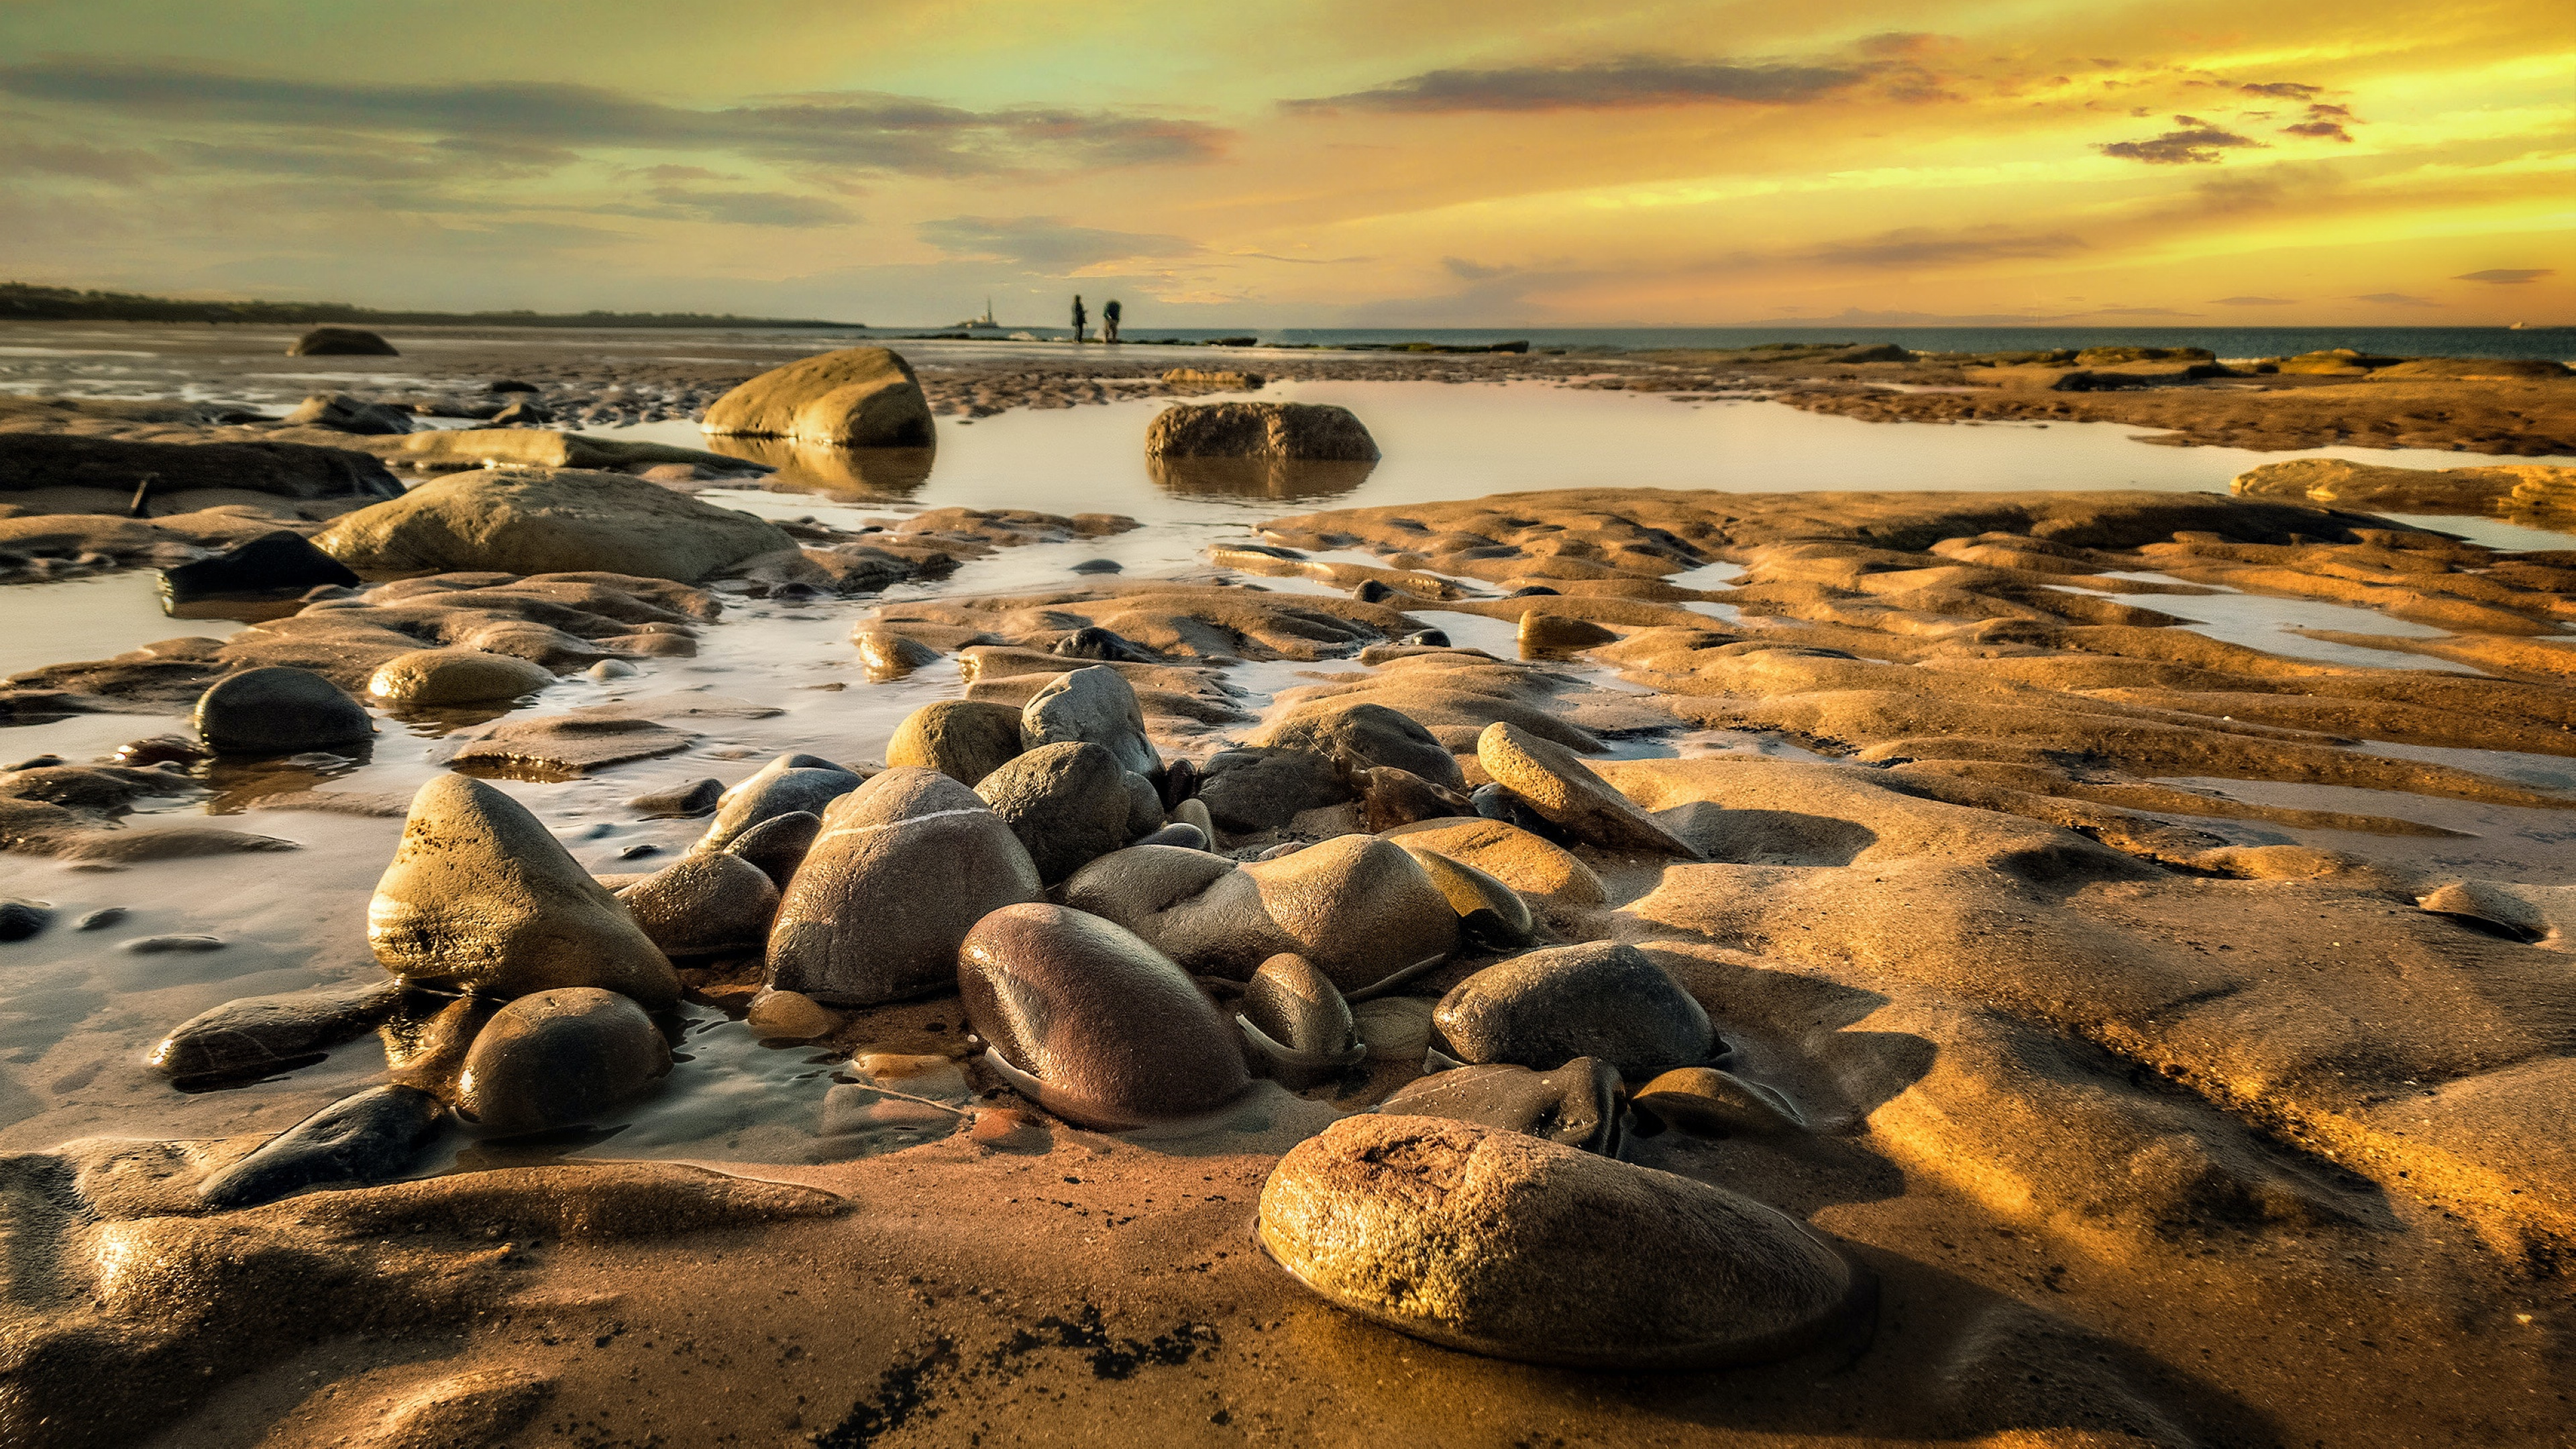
{"points": [[891, 473], [1284, 479]]}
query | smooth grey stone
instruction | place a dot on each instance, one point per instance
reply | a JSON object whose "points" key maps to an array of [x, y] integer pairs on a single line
{"points": [[261, 1033], [1180, 782], [100, 919], [705, 902], [279, 710], [1097, 1026], [1093, 642], [1497, 802], [160, 945], [1248, 791], [680, 801], [279, 565], [1426, 639], [779, 844], [1297, 1023], [559, 1057], [786, 784], [370, 1137], [1179, 834], [1144, 806], [1577, 1104], [905, 867], [1603, 999], [1094, 704], [1068, 804], [1098, 566], [1707, 1102]]}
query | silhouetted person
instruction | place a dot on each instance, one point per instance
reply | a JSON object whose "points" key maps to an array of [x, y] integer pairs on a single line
{"points": [[1109, 320], [1079, 317]]}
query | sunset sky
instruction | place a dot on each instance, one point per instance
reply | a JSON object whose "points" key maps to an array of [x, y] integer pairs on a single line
{"points": [[1333, 163]]}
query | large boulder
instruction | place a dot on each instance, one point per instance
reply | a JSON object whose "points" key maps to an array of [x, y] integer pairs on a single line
{"points": [[1259, 430], [441, 450], [543, 521], [482, 896], [341, 342], [1361, 909], [859, 397], [905, 866], [1094, 1024], [1501, 1243]]}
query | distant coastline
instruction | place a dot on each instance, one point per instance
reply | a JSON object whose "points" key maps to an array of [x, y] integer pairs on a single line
{"points": [[21, 302]]}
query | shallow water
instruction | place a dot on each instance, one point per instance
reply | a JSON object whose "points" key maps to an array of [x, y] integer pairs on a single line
{"points": [[77, 1014]]}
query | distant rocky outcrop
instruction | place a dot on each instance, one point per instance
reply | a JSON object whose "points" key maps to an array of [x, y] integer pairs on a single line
{"points": [[341, 342], [1260, 430], [543, 520], [2412, 490], [858, 397]]}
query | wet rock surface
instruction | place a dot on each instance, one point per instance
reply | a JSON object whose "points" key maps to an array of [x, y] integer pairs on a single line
{"points": [[1068, 804], [704, 902], [370, 1137], [556, 1057], [1092, 705], [1599, 1000], [265, 1033], [279, 711], [787, 785], [963, 739], [1577, 1104], [532, 520], [434, 677]]}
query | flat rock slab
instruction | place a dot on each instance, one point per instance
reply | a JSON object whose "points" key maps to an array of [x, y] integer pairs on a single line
{"points": [[565, 745]]}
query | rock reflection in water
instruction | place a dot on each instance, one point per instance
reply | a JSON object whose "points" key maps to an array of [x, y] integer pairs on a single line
{"points": [[890, 473], [1268, 478]]}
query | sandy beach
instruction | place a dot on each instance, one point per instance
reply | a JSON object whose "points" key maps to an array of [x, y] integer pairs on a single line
{"points": [[2107, 934]]}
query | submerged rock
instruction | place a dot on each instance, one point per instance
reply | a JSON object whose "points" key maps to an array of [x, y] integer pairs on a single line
{"points": [[1067, 803], [779, 844], [558, 1057], [1551, 780], [455, 676], [1603, 999], [279, 710], [482, 896], [905, 866], [371, 1137], [1577, 1104], [789, 1016], [1097, 705], [561, 746], [264, 1033], [1505, 1244], [703, 903], [1097, 1026], [783, 786], [964, 739]]}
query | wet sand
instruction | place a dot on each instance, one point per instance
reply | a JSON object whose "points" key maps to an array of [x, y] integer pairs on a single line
{"points": [[2085, 942]]}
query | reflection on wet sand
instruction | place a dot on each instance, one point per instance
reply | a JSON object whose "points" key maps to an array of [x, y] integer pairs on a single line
{"points": [[891, 473], [1269, 478]]}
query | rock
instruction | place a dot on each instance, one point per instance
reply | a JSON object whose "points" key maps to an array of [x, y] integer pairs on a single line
{"points": [[905, 866], [1552, 781], [1193, 811], [1542, 633], [789, 1016], [608, 669], [891, 656], [272, 1033], [680, 802], [1097, 566], [371, 1137], [784, 786], [482, 896], [274, 566], [1491, 913], [97, 920], [1249, 791], [20, 920], [704, 903], [1144, 805], [779, 844], [2378, 489], [964, 739], [1092, 1023], [1357, 907], [1067, 803], [167, 945], [1504, 1244], [1706, 1102], [1096, 705], [341, 342], [1394, 1028], [858, 397], [1358, 736], [1093, 642], [1296, 1021], [279, 710], [1577, 1104], [342, 413], [526, 520], [1180, 835], [1390, 797], [426, 1047], [474, 1410], [1495, 801], [558, 1057], [1228, 379], [431, 678], [281, 469], [1259, 430], [450, 449], [1602, 999], [526, 413], [558, 747], [1180, 782]]}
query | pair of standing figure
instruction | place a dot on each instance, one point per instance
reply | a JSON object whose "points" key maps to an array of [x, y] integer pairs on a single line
{"points": [[1108, 320]]}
